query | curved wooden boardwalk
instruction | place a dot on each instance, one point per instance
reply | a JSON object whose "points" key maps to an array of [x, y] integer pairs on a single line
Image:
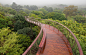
{"points": [[56, 43], [53, 41]]}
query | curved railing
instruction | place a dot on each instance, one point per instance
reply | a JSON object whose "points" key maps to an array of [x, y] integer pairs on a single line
{"points": [[33, 48], [76, 48], [42, 43]]}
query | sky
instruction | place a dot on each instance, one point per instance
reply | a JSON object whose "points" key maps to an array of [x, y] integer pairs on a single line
{"points": [[44, 2]]}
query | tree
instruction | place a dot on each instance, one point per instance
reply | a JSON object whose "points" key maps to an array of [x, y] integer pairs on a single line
{"points": [[18, 25], [20, 22], [33, 7], [19, 6], [12, 11], [1, 16], [70, 10], [9, 43], [57, 10], [79, 12], [55, 16], [36, 12], [27, 11], [50, 9], [84, 12], [26, 6], [3, 23], [45, 7], [24, 31], [2, 13], [23, 13], [19, 16], [80, 19], [7, 5], [14, 5], [24, 40], [43, 10]]}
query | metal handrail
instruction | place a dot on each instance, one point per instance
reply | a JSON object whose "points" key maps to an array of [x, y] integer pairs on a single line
{"points": [[43, 39], [44, 35], [79, 47], [42, 43], [33, 41]]}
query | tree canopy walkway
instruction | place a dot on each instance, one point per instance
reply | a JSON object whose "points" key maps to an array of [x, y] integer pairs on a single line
{"points": [[51, 41]]}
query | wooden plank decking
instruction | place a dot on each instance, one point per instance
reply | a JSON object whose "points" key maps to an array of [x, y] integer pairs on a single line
{"points": [[56, 43]]}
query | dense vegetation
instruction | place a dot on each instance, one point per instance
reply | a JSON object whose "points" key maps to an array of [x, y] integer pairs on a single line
{"points": [[79, 30], [16, 33], [75, 22]]}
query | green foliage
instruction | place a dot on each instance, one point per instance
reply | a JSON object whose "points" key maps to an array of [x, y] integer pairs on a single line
{"points": [[7, 5], [55, 16], [44, 11], [12, 43], [23, 13], [70, 10], [33, 15], [10, 22], [38, 14], [33, 7], [80, 19], [12, 11], [18, 25], [20, 22], [24, 31], [1, 16], [2, 13], [6, 21], [79, 12], [57, 10], [27, 11], [8, 43], [7, 10], [2, 23], [24, 40], [27, 31], [35, 30], [26, 6], [78, 29], [45, 7], [50, 9], [16, 7], [19, 17]]}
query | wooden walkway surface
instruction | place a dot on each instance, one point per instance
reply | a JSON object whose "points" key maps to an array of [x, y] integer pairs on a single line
{"points": [[56, 43]]}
